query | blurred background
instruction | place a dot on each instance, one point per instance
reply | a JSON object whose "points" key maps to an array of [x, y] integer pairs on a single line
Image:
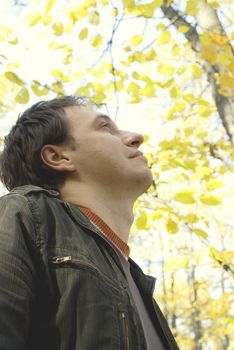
{"points": [[166, 69]]}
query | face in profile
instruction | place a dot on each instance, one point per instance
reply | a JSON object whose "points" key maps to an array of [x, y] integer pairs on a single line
{"points": [[106, 154]]}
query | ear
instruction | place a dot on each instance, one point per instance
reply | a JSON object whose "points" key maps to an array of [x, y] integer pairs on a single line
{"points": [[57, 158]]}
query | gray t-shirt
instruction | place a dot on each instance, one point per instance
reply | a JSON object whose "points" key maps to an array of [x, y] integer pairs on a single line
{"points": [[152, 338]]}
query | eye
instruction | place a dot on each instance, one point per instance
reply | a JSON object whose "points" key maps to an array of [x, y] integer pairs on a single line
{"points": [[106, 125]]}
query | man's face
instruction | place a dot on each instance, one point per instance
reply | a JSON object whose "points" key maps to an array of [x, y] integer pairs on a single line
{"points": [[106, 155]]}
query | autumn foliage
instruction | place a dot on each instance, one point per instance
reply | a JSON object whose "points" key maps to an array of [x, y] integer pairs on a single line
{"points": [[176, 58]]}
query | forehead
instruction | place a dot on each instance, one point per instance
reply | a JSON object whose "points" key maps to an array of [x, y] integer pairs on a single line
{"points": [[84, 117]]}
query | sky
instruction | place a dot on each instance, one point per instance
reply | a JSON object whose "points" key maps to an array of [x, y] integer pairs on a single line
{"points": [[36, 64]]}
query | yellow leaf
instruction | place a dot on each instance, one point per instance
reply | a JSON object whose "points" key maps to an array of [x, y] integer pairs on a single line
{"points": [[83, 91], [39, 90], [141, 221], [192, 7], [203, 170], [148, 90], [49, 6], [209, 53], [166, 69], [22, 96], [200, 233], [204, 111], [133, 88], [68, 27], [226, 79], [12, 39], [135, 99], [5, 29], [58, 74], [185, 196], [214, 254], [158, 216], [179, 106], [58, 28], [33, 19], [99, 98], [14, 78], [218, 38], [228, 256], [57, 87], [176, 263], [163, 38], [127, 48], [90, 3], [175, 92], [54, 45], [175, 50], [129, 4], [68, 59], [214, 4], [161, 26], [115, 12], [119, 86], [224, 58], [147, 10], [189, 98], [138, 56], [94, 17], [213, 183], [172, 226], [150, 54], [197, 72], [136, 40], [67, 48], [47, 20], [183, 29], [98, 88], [190, 218], [210, 199], [83, 34], [96, 41]]}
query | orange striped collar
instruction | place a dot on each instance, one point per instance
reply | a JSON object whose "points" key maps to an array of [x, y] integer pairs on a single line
{"points": [[106, 230]]}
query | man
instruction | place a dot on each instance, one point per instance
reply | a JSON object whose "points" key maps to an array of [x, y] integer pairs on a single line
{"points": [[66, 281]]}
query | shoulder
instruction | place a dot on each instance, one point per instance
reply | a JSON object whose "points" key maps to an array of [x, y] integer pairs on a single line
{"points": [[25, 197], [30, 211], [26, 204]]}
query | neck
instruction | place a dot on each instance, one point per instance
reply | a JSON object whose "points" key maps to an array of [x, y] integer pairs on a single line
{"points": [[114, 207]]}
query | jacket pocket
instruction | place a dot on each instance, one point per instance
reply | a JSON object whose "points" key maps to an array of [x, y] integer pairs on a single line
{"points": [[67, 261], [124, 328], [87, 306]]}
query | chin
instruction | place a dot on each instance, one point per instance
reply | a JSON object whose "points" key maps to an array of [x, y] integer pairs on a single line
{"points": [[144, 181]]}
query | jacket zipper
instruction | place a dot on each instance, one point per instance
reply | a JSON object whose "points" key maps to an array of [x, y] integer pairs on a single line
{"points": [[63, 260], [60, 259], [125, 330], [69, 261]]}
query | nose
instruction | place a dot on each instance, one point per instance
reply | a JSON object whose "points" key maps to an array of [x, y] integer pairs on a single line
{"points": [[131, 139]]}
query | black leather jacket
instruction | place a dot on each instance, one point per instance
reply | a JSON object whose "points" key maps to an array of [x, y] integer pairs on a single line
{"points": [[62, 286]]}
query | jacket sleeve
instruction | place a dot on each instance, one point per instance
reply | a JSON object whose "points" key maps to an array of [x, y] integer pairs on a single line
{"points": [[17, 274]]}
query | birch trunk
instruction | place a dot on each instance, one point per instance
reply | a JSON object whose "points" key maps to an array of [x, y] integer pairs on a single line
{"points": [[208, 21]]}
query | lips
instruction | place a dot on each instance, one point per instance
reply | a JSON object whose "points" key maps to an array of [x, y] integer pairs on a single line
{"points": [[136, 154]]}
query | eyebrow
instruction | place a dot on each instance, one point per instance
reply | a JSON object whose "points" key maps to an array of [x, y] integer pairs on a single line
{"points": [[103, 116]]}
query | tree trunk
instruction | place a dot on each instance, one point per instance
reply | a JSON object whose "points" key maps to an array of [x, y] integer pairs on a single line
{"points": [[195, 320], [208, 21]]}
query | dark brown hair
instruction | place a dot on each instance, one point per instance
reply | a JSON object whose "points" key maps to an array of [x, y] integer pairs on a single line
{"points": [[44, 122]]}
